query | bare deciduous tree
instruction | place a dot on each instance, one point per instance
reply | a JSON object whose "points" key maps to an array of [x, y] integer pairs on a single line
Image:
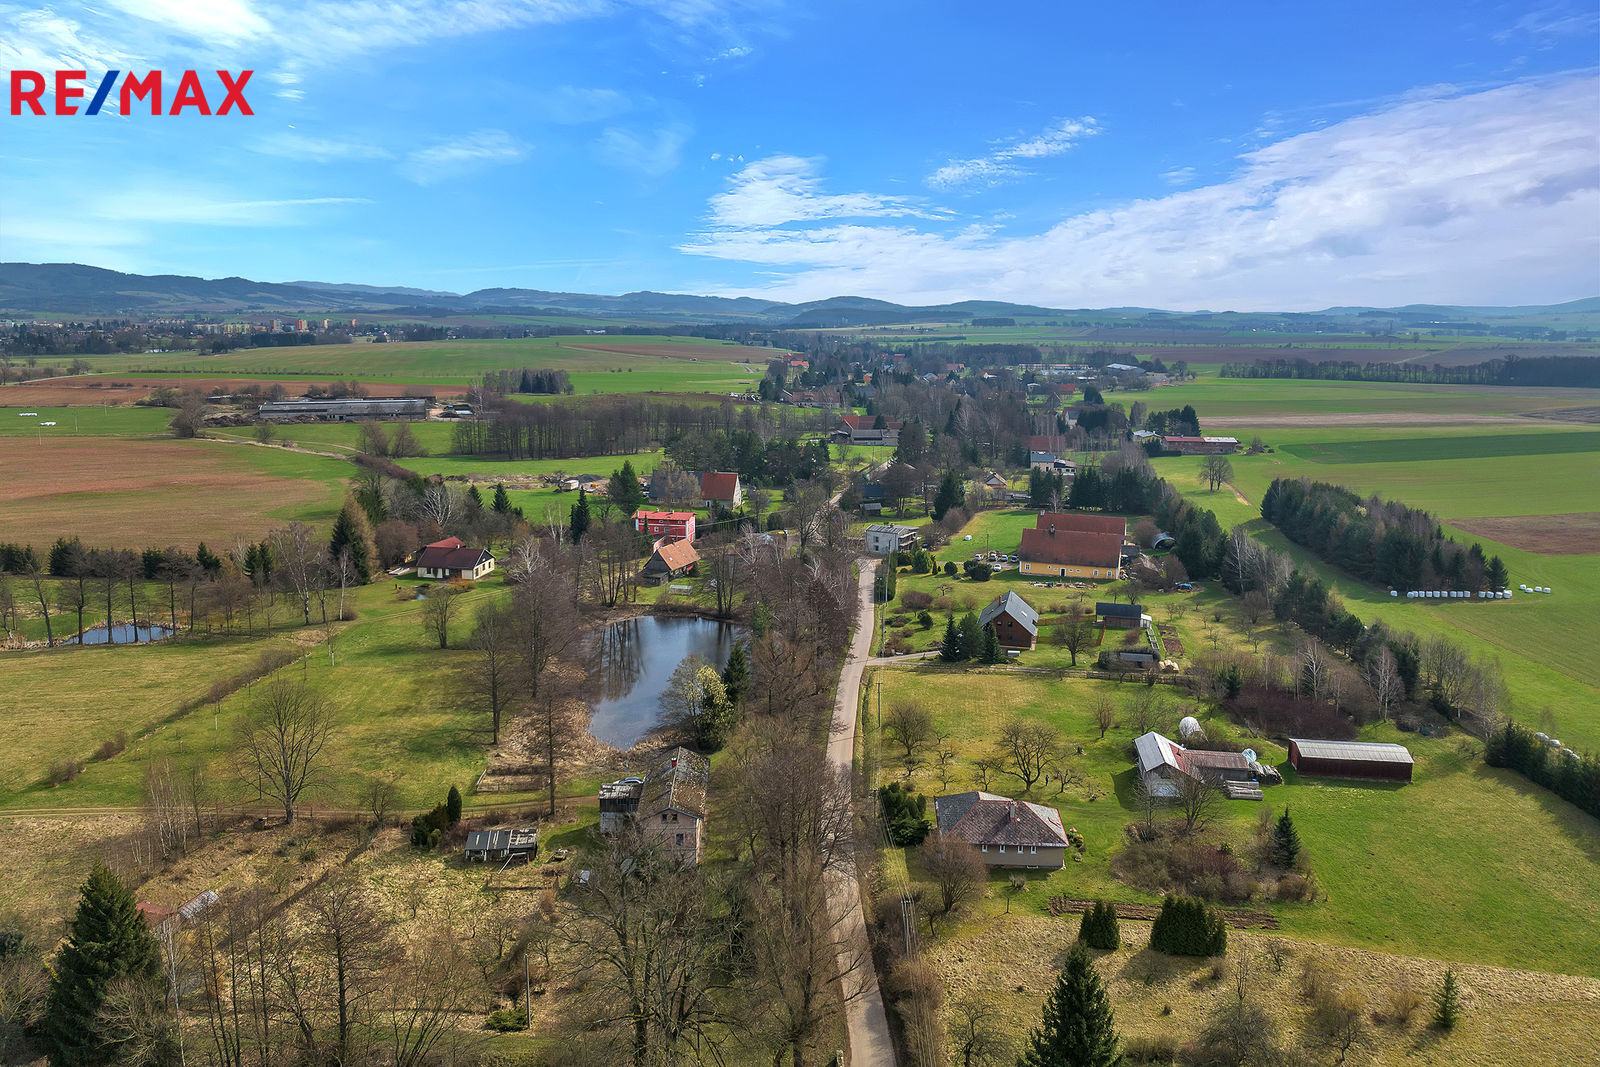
{"points": [[1198, 801], [980, 1035], [439, 609], [1104, 710], [492, 673], [279, 741], [1026, 748], [1216, 470], [957, 871], [910, 726]]}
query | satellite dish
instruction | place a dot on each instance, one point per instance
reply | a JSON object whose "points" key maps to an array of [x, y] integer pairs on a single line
{"points": [[1250, 755]]}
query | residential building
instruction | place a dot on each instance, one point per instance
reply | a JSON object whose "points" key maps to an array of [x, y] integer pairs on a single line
{"points": [[1073, 545], [1200, 446], [1015, 622], [486, 845], [864, 429], [670, 559], [1118, 616], [619, 803], [722, 489], [994, 481], [883, 539], [1042, 460], [672, 803], [872, 498], [452, 558], [671, 525], [1006, 832], [1164, 764]]}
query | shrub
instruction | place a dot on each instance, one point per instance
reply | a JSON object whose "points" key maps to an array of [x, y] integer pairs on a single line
{"points": [[978, 572], [1186, 927], [904, 814], [916, 600], [114, 747], [63, 771], [950, 569], [1099, 927], [1400, 1002], [1292, 887], [426, 829], [1160, 1049], [505, 1020], [1316, 981], [925, 620]]}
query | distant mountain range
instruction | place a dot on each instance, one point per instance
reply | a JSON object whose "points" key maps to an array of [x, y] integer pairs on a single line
{"points": [[74, 289]]}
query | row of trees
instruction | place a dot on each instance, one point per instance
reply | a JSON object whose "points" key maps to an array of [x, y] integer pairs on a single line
{"points": [[1562, 371], [1380, 541]]}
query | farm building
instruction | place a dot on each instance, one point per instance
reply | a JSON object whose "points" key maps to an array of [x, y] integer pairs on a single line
{"points": [[619, 802], [673, 525], [669, 560], [672, 803], [1073, 545], [1351, 759], [864, 429], [451, 558], [486, 845], [1006, 832], [1200, 446], [1163, 764], [883, 539], [1118, 616], [1015, 622], [344, 409]]}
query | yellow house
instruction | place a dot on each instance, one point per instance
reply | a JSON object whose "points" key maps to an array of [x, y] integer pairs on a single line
{"points": [[1068, 545]]}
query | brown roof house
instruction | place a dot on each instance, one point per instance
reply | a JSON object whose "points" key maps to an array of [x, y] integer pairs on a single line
{"points": [[1073, 545], [672, 803], [451, 558], [721, 488], [671, 559], [1015, 622], [1006, 832]]}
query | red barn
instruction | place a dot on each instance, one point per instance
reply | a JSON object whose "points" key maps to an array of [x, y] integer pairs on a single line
{"points": [[1351, 759]]}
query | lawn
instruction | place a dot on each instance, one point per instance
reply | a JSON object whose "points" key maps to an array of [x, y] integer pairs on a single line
{"points": [[1269, 398], [89, 420], [1467, 863]]}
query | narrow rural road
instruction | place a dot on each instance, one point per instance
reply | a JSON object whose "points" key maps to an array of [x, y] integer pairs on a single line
{"points": [[865, 1017]]}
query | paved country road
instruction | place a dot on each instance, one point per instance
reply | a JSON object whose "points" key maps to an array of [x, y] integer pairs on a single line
{"points": [[870, 1044]]}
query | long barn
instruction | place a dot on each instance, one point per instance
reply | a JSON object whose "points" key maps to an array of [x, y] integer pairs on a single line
{"points": [[1351, 759]]}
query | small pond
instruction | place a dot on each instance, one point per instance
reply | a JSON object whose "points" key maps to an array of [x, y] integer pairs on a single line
{"points": [[121, 634], [629, 664]]}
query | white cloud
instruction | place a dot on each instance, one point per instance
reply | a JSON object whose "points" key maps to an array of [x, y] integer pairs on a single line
{"points": [[1489, 197], [1179, 176], [571, 105], [463, 155], [198, 206], [1002, 164], [779, 189], [654, 153], [310, 149], [44, 40], [210, 21]]}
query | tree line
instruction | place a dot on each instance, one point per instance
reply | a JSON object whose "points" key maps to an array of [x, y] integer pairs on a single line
{"points": [[1383, 542], [1561, 371]]}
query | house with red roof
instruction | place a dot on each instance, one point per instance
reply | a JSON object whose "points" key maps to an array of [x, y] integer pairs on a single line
{"points": [[864, 430], [671, 559], [672, 525], [451, 558], [1006, 832], [1073, 545], [721, 488]]}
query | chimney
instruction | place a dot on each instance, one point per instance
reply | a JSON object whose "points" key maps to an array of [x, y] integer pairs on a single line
{"points": [[1013, 811], [1052, 529], [674, 761]]}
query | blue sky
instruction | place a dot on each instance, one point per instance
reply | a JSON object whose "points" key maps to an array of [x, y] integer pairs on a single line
{"points": [[1274, 156]]}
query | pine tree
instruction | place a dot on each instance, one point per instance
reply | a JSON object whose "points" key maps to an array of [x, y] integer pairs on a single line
{"points": [[1099, 927], [971, 637], [992, 652], [1079, 1028], [950, 647], [624, 489], [474, 498], [108, 940], [1285, 844], [502, 502], [1186, 927], [209, 561], [951, 494], [452, 805], [351, 534], [736, 675], [1447, 1004], [578, 523]]}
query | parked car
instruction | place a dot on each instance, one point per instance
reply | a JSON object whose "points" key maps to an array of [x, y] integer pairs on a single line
{"points": [[967, 538], [1185, 587]]}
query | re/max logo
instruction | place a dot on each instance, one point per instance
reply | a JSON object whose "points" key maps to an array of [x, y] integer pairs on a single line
{"points": [[27, 86]]}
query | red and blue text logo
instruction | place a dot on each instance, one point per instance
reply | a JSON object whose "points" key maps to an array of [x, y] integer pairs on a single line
{"points": [[70, 86]]}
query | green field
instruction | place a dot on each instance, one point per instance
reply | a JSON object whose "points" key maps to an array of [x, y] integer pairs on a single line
{"points": [[1466, 863], [1452, 447], [87, 420], [1267, 398]]}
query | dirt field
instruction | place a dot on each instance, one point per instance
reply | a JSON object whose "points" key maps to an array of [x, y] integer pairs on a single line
{"points": [[125, 389], [1548, 535], [141, 493]]}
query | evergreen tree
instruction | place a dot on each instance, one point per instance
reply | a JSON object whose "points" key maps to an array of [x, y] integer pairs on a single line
{"points": [[971, 637], [502, 502], [992, 652], [1495, 574], [904, 814], [108, 940], [1186, 927], [951, 494], [209, 561], [1447, 1003], [474, 498], [1099, 927], [578, 523], [1285, 843], [351, 534], [452, 805], [736, 675], [950, 647], [1079, 1028], [624, 489]]}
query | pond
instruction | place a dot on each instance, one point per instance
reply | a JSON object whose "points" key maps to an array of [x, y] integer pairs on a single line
{"points": [[121, 634], [629, 664]]}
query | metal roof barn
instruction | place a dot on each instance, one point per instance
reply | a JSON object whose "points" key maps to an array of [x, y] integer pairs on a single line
{"points": [[1351, 759]]}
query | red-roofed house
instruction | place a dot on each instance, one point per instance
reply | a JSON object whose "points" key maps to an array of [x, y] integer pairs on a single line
{"points": [[721, 488], [451, 558], [1006, 832], [1073, 546], [672, 525], [863, 430], [670, 560]]}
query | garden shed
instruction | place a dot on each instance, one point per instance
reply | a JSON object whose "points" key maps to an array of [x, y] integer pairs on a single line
{"points": [[1351, 759]]}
